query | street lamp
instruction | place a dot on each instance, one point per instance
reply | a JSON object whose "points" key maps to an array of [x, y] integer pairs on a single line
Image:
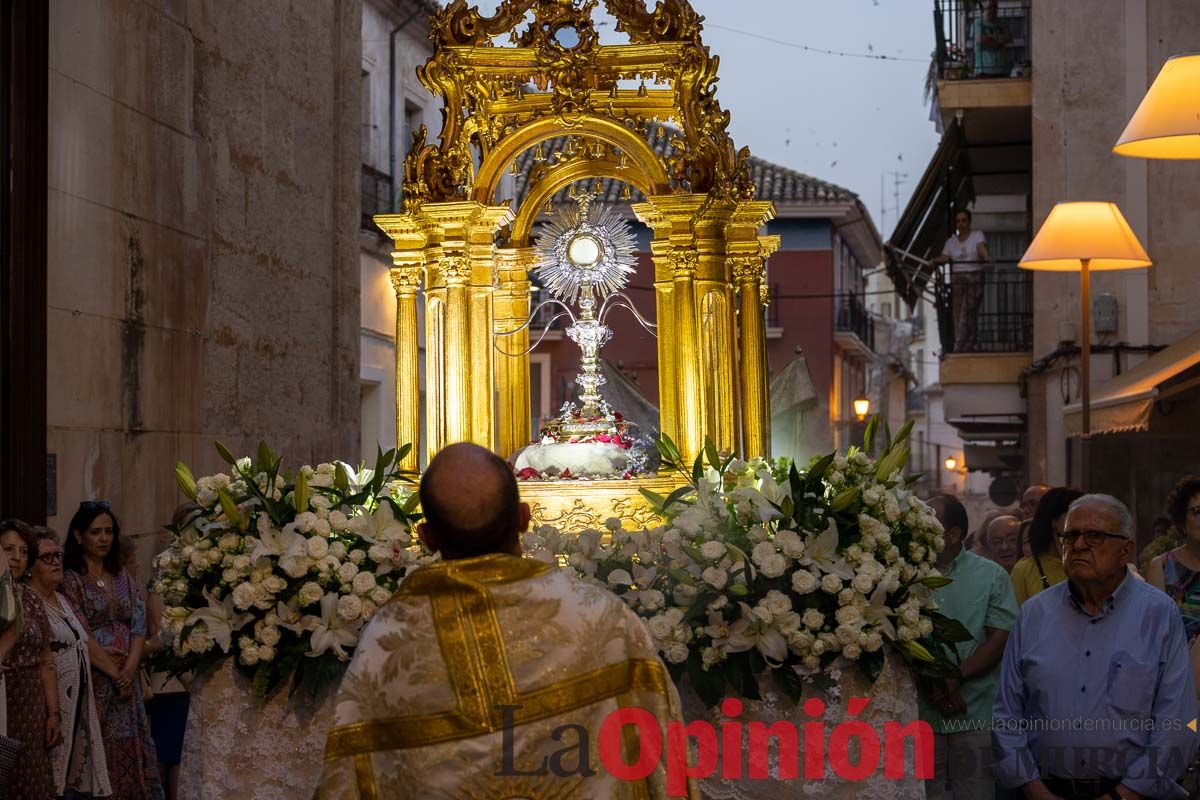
{"points": [[951, 463], [1085, 238], [862, 407], [1167, 123]]}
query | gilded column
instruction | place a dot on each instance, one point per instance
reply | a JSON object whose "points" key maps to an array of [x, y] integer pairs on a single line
{"points": [[455, 273], [716, 332], [687, 365], [747, 277], [480, 298], [407, 262], [512, 371]]}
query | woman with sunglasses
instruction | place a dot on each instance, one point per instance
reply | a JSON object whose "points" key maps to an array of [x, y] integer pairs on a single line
{"points": [[104, 596], [29, 677], [78, 763]]}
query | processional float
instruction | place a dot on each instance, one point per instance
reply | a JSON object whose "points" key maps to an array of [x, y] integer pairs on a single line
{"points": [[534, 72]]}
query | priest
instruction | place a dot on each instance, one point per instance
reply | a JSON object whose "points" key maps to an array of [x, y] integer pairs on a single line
{"points": [[491, 675]]}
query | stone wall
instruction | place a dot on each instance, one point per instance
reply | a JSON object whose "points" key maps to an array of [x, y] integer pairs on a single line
{"points": [[204, 263]]}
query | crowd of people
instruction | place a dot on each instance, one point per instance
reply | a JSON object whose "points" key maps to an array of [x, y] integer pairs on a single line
{"points": [[1070, 646], [76, 633]]}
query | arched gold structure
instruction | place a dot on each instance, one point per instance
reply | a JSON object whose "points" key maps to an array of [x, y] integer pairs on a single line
{"points": [[553, 78]]}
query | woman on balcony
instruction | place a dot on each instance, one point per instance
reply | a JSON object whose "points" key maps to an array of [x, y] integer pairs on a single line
{"points": [[966, 252]]}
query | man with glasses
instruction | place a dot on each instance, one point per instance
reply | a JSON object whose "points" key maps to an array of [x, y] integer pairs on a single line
{"points": [[1096, 693]]}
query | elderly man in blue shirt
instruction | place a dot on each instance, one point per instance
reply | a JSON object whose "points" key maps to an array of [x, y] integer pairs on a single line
{"points": [[1096, 690]]}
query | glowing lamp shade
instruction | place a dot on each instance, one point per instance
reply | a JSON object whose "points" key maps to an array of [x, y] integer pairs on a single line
{"points": [[584, 251], [1167, 122], [862, 407], [951, 464], [1075, 232]]}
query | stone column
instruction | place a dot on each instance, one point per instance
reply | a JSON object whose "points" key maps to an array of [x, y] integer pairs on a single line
{"points": [[512, 372], [407, 266]]}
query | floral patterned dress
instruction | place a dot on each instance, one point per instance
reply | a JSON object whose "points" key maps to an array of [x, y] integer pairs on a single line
{"points": [[31, 778], [115, 613]]}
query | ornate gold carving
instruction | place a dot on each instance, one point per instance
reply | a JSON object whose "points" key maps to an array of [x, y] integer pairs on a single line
{"points": [[684, 263], [747, 269], [764, 295], [455, 269], [406, 280]]}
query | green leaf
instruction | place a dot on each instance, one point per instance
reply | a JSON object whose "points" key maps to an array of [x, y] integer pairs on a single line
{"points": [[904, 432], [894, 460], [869, 436], [741, 675], [710, 452], [341, 480], [402, 453], [676, 496], [845, 499], [817, 471], [935, 581], [737, 589], [698, 470], [266, 459], [682, 576], [300, 493], [694, 554], [656, 500], [185, 480], [709, 684], [789, 682], [887, 436], [223, 451], [949, 629], [871, 664]]}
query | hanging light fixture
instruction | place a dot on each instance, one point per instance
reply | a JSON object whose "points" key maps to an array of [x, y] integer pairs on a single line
{"points": [[862, 407], [626, 194], [598, 187], [951, 463], [539, 155]]}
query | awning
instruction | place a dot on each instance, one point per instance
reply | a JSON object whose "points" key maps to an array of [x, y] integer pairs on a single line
{"points": [[925, 224], [1125, 402]]}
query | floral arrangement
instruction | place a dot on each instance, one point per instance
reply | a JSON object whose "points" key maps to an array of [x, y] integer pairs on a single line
{"points": [[767, 569], [282, 572]]}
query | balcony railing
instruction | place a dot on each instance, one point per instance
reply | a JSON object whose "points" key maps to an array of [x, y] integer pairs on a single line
{"points": [[376, 195], [853, 317], [988, 310], [974, 43]]}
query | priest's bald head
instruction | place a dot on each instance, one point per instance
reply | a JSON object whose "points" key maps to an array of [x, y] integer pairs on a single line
{"points": [[471, 505]]}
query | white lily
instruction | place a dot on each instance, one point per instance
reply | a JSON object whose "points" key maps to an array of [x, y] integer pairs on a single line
{"points": [[749, 631], [641, 581], [772, 491], [382, 527], [288, 546], [357, 480], [766, 511], [587, 552], [878, 613], [329, 631], [822, 552], [219, 619]]}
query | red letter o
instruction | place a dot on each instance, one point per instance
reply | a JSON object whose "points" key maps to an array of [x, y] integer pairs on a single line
{"points": [[649, 737]]}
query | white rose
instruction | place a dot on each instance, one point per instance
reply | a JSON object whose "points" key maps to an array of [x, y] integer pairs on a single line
{"points": [[338, 521], [715, 577], [269, 636], [379, 595], [718, 604], [925, 626], [910, 615], [862, 583], [265, 653], [242, 563], [231, 576], [368, 609], [761, 551], [328, 564], [214, 557], [844, 635], [684, 595], [349, 607], [362, 582], [379, 553], [818, 647], [346, 572], [906, 633], [310, 593], [712, 550], [710, 656], [357, 556], [777, 602], [229, 542], [321, 527], [831, 583], [274, 584], [849, 615], [804, 582], [304, 521], [652, 599], [677, 653], [800, 641], [788, 622], [660, 627], [851, 652], [813, 619], [297, 568], [244, 596], [774, 566], [874, 642], [791, 543], [337, 550], [249, 656], [198, 641], [318, 547]]}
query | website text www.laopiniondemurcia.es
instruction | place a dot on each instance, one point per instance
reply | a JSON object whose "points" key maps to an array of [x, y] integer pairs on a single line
{"points": [[824, 749]]}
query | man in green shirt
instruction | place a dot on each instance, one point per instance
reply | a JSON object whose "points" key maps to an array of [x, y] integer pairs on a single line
{"points": [[981, 598]]}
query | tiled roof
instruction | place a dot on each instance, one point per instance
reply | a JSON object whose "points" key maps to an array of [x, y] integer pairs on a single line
{"points": [[773, 182]]}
